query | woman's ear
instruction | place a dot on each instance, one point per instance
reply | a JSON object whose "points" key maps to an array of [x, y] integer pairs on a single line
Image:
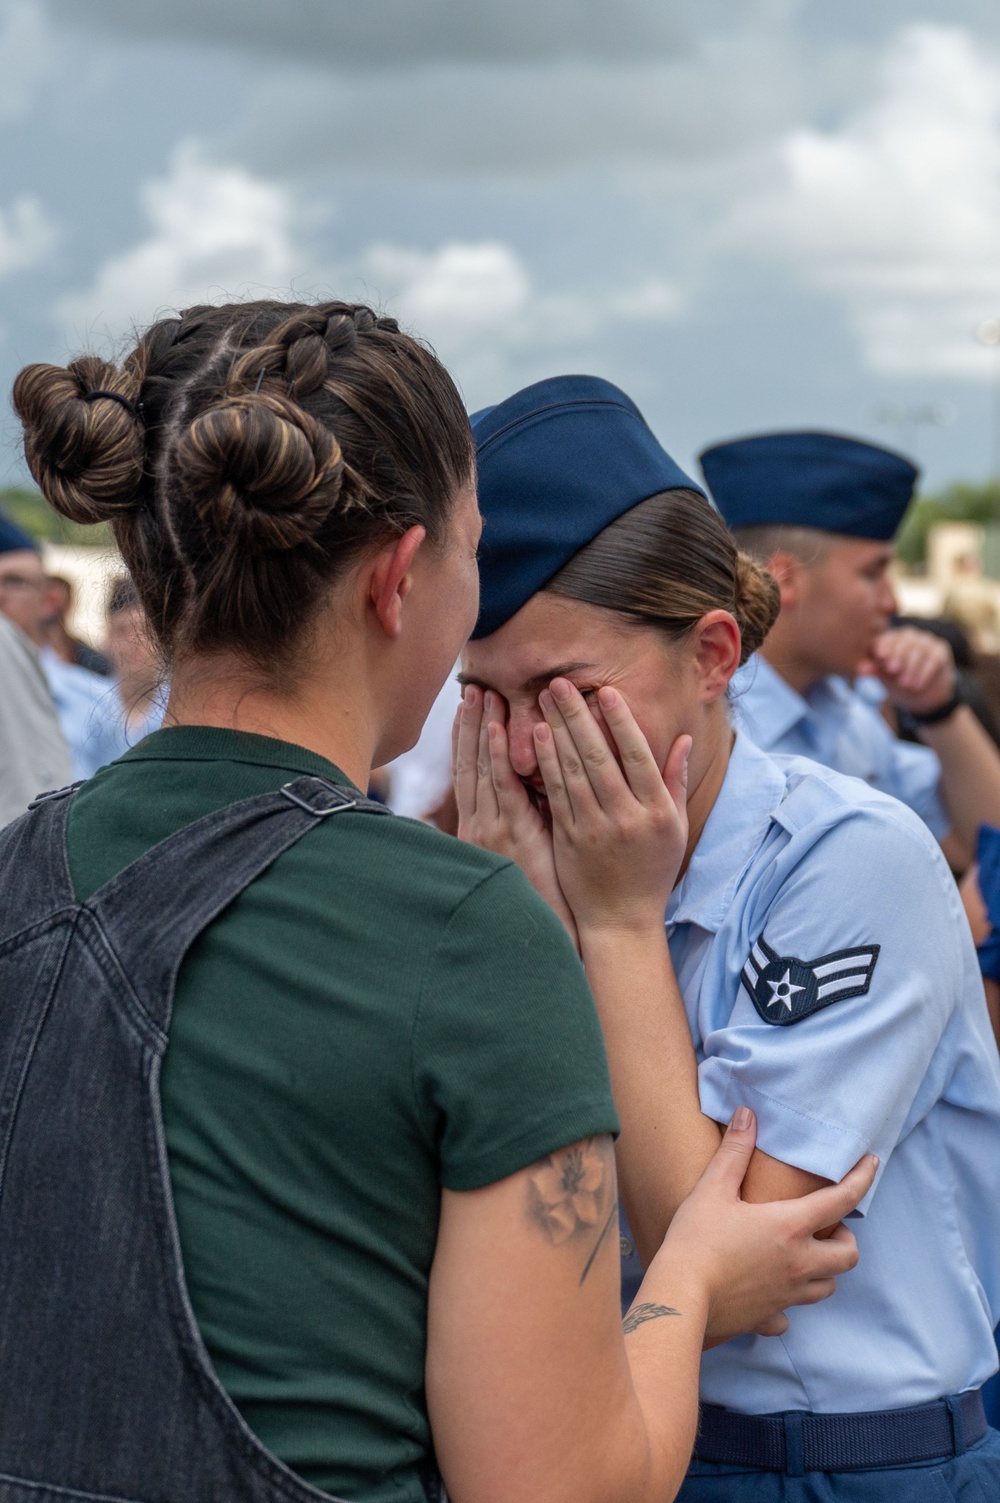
{"points": [[389, 579], [717, 651]]}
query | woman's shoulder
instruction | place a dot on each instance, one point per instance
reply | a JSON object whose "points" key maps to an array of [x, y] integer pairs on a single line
{"points": [[429, 847], [847, 886], [818, 798], [422, 868]]}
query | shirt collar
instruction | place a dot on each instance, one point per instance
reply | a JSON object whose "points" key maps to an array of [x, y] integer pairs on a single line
{"points": [[751, 791], [773, 706], [209, 743]]}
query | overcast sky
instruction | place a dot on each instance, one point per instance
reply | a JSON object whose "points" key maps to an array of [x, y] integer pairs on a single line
{"points": [[751, 214]]}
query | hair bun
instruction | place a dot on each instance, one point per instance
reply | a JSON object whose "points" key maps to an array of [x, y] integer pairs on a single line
{"points": [[87, 456], [758, 601], [260, 471]]}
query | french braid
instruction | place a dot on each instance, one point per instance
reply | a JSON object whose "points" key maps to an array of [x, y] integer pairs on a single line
{"points": [[268, 443]]}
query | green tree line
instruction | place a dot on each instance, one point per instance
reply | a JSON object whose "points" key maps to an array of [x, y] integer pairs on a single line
{"points": [[30, 510], [959, 502]]}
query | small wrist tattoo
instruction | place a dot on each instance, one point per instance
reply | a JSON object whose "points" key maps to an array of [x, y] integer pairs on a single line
{"points": [[639, 1314]]}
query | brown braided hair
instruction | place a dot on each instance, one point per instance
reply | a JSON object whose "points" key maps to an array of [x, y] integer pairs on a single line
{"points": [[244, 456]]}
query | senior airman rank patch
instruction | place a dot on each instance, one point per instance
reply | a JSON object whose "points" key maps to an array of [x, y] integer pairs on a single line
{"points": [[785, 989]]}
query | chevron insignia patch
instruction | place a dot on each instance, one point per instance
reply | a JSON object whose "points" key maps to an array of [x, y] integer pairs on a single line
{"points": [[785, 989]]}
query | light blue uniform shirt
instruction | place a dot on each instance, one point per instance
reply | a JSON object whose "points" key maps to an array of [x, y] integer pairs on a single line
{"points": [[90, 715], [833, 907], [841, 727]]}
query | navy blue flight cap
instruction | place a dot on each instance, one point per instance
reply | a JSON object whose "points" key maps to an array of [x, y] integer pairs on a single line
{"points": [[14, 539], [818, 480], [557, 462]]}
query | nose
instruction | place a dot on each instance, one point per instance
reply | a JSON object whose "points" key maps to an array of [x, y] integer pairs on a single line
{"points": [[887, 598], [520, 740]]}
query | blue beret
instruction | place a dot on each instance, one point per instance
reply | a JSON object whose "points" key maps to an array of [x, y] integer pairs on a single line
{"points": [[557, 462], [14, 539], [810, 480]]}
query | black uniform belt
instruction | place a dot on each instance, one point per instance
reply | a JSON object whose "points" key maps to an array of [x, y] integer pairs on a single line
{"points": [[799, 1442]]}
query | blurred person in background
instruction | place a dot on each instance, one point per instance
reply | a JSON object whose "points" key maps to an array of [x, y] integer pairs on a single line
{"points": [[34, 756], [820, 511], [981, 897], [86, 704], [57, 608], [135, 663], [976, 675]]}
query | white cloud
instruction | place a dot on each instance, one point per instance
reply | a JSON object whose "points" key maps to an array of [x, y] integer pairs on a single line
{"points": [[26, 235], [897, 213], [456, 294], [215, 232], [218, 231], [480, 307], [650, 300]]}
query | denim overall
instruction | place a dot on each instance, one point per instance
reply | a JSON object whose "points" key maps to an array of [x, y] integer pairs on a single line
{"points": [[106, 1390]]}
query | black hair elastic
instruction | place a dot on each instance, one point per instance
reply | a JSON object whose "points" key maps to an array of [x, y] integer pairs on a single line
{"points": [[114, 396]]}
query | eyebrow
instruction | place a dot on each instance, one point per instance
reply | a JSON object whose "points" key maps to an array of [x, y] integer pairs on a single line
{"points": [[540, 680]]}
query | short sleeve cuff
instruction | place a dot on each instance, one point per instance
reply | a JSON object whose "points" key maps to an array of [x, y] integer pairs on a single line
{"points": [[786, 1133], [588, 1119]]}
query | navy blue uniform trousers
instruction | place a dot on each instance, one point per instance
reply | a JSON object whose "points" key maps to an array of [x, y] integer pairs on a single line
{"points": [[969, 1478]]}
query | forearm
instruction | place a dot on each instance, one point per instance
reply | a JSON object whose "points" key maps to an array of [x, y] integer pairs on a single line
{"points": [[665, 1141], [532, 1391], [642, 1445], [664, 1339], [970, 772]]}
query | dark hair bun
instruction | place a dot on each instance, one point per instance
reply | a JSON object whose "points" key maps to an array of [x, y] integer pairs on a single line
{"points": [[260, 471], [87, 456], [758, 601], [246, 454]]}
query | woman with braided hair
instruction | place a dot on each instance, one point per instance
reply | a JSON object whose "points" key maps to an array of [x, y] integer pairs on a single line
{"points": [[359, 1231]]}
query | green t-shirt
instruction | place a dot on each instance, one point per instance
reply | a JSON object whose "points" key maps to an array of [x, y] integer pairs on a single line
{"points": [[385, 1011]]}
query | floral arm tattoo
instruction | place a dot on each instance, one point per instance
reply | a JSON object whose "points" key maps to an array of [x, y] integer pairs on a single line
{"points": [[572, 1195]]}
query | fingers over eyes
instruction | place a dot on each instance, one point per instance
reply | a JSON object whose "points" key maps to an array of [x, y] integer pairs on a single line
{"points": [[590, 768], [505, 779], [486, 794], [576, 772], [473, 780], [465, 743], [643, 775], [550, 769]]}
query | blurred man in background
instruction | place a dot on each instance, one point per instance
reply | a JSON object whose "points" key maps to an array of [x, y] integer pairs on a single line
{"points": [[57, 608], [88, 711], [820, 511], [34, 756]]}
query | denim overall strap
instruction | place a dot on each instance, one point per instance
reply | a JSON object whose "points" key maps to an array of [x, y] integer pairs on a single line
{"points": [[35, 843], [154, 909], [108, 1391]]}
